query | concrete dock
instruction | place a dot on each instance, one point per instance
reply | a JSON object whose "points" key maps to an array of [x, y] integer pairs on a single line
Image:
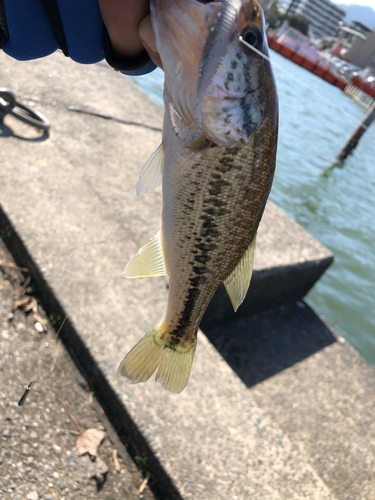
{"points": [[278, 405]]}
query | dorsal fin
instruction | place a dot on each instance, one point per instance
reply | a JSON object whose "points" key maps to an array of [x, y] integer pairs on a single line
{"points": [[237, 283], [152, 172], [148, 261]]}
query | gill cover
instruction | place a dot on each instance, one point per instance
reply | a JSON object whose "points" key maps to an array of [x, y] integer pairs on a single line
{"points": [[192, 39], [211, 83], [234, 102]]}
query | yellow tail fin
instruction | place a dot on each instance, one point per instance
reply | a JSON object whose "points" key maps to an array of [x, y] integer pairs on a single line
{"points": [[152, 352]]}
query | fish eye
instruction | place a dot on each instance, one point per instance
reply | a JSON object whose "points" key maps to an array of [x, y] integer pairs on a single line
{"points": [[253, 36]]}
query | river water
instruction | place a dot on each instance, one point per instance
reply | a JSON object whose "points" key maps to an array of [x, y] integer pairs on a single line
{"points": [[335, 203]]}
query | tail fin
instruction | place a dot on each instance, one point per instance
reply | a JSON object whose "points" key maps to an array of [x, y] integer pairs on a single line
{"points": [[152, 352]]}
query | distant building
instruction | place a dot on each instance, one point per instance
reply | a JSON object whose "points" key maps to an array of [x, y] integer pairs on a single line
{"points": [[324, 16], [361, 27], [355, 44], [345, 38], [362, 51]]}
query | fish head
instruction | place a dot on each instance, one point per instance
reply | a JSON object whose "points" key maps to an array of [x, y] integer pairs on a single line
{"points": [[214, 84], [234, 102]]}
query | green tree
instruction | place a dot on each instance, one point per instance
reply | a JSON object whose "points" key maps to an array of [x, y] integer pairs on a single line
{"points": [[275, 18], [300, 23]]}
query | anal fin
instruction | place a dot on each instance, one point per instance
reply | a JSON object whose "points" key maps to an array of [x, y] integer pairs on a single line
{"points": [[238, 282], [148, 261]]}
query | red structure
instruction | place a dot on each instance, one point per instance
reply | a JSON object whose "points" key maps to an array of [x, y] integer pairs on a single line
{"points": [[306, 63], [367, 87]]}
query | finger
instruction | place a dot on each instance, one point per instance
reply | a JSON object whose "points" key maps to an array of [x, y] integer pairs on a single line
{"points": [[122, 18], [147, 36]]}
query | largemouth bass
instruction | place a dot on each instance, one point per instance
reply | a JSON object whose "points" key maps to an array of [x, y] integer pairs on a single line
{"points": [[216, 163]]}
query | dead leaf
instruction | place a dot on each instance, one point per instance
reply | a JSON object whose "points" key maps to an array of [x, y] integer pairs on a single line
{"points": [[144, 484], [76, 433], [89, 441], [13, 266], [27, 303], [41, 320], [21, 291], [115, 459], [21, 303]]}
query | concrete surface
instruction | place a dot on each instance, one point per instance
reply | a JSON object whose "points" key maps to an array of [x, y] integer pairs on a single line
{"points": [[325, 404], [69, 212], [38, 455]]}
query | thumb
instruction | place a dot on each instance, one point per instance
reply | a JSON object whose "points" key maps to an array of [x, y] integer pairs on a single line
{"points": [[147, 36]]}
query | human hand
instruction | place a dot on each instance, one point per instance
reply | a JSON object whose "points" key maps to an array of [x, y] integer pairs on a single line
{"points": [[147, 35], [128, 23]]}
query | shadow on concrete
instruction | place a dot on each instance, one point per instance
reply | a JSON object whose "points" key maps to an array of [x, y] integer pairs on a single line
{"points": [[263, 346], [109, 117], [6, 131]]}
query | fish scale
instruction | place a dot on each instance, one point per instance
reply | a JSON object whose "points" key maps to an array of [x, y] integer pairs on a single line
{"points": [[220, 233], [214, 189]]}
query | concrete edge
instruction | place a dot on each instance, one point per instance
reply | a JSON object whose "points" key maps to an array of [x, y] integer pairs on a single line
{"points": [[262, 297], [115, 411]]}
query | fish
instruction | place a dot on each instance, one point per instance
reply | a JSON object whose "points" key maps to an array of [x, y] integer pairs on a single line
{"points": [[216, 164]]}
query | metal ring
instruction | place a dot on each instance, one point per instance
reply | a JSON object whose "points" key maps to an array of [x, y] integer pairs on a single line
{"points": [[33, 118], [8, 97]]}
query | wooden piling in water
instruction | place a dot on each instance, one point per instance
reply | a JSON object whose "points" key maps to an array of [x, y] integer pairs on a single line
{"points": [[354, 139]]}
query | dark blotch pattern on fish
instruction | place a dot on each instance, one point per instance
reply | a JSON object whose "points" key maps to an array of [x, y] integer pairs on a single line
{"points": [[239, 176], [204, 244]]}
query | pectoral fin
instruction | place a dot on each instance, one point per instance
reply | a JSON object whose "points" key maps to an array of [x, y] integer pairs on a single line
{"points": [[152, 172], [188, 131], [238, 281], [148, 261]]}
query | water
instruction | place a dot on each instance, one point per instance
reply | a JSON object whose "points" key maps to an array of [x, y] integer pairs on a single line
{"points": [[336, 204]]}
